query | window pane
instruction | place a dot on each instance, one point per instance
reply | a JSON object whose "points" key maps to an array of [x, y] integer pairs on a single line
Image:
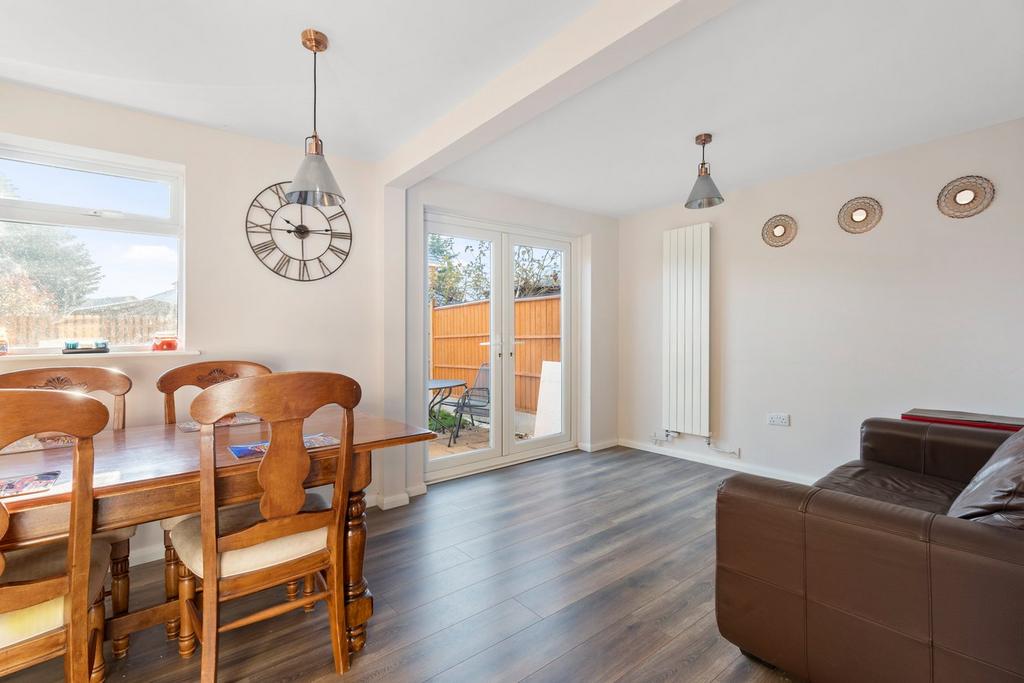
{"points": [[537, 311], [83, 189], [60, 283]]}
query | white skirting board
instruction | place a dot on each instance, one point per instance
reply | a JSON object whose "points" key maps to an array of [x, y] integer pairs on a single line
{"points": [[719, 461], [598, 446]]}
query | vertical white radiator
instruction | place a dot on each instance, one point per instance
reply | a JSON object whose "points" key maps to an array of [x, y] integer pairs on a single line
{"points": [[686, 307]]}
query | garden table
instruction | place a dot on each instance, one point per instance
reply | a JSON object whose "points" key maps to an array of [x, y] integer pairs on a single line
{"points": [[442, 389]]}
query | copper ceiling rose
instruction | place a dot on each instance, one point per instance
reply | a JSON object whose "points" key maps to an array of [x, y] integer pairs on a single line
{"points": [[314, 40]]}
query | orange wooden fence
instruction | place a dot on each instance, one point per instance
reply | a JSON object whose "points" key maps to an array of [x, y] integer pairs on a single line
{"points": [[27, 331], [457, 332]]}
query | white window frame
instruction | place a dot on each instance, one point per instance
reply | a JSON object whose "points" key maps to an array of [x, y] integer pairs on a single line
{"points": [[34, 150]]}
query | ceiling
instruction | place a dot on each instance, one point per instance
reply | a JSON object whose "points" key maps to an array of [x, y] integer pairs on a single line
{"points": [[785, 86], [394, 66]]}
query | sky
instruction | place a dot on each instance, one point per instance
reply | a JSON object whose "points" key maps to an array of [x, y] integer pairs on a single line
{"points": [[137, 265], [133, 265]]}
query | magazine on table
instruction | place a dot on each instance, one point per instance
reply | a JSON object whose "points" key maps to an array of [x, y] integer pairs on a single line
{"points": [[30, 483], [236, 419], [249, 450]]}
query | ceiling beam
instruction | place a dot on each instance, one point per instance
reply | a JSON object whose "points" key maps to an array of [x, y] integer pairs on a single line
{"points": [[598, 43]]}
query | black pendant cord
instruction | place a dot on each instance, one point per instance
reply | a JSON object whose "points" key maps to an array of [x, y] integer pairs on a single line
{"points": [[314, 94]]}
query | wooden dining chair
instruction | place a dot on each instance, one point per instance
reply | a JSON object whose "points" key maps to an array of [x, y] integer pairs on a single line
{"points": [[87, 380], [285, 536], [51, 595], [202, 375]]}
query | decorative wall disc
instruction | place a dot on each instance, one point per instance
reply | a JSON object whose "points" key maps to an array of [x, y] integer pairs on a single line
{"points": [[778, 231], [966, 196], [860, 214]]}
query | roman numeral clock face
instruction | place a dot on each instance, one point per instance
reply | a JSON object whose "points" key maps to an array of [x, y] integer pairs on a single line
{"points": [[295, 241]]}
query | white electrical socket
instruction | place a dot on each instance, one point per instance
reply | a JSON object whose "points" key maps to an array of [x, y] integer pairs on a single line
{"points": [[778, 419]]}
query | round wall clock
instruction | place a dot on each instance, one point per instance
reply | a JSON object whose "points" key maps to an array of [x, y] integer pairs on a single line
{"points": [[296, 241]]}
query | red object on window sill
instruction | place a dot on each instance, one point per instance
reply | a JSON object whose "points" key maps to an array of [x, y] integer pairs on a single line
{"points": [[165, 344], [953, 417]]}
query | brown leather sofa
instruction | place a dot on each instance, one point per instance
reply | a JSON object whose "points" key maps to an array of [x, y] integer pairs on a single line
{"points": [[863, 577]]}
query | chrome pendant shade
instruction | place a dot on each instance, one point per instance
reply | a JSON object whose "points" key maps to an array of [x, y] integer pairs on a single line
{"points": [[314, 184], [705, 193]]}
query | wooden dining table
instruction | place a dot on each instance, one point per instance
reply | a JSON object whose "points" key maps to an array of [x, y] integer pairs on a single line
{"points": [[148, 473]]}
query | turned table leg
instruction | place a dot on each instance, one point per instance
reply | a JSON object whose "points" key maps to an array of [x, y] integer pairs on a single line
{"points": [[186, 629], [358, 599], [170, 583], [119, 591]]}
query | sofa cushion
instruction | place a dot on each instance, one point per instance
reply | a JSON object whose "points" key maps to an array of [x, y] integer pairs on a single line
{"points": [[996, 494], [892, 485]]}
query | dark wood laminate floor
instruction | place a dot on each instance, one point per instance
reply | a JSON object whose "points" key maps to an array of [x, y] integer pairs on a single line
{"points": [[579, 567]]}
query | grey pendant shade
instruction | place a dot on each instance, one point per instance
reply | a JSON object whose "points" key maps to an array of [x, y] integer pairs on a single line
{"points": [[314, 184], [705, 193]]}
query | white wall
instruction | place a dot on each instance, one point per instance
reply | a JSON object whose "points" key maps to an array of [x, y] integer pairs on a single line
{"points": [[921, 312], [598, 316]]}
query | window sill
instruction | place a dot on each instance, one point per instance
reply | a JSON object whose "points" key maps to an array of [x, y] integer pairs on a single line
{"points": [[75, 358]]}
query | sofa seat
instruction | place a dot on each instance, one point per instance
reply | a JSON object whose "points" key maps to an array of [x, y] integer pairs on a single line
{"points": [[892, 485]]}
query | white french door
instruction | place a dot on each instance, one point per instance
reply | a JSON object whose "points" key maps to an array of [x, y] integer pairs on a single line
{"points": [[499, 339]]}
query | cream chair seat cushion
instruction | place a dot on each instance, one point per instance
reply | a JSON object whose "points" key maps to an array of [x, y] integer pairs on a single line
{"points": [[171, 522], [188, 542], [39, 563]]}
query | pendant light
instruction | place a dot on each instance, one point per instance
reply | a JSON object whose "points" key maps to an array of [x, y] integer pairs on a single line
{"points": [[314, 184], [704, 193]]}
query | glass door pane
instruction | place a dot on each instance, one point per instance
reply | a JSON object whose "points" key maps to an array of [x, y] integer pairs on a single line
{"points": [[540, 380], [462, 346]]}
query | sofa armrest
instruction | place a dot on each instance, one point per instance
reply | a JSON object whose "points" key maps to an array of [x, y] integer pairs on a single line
{"points": [[759, 577], [939, 450], [803, 573]]}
